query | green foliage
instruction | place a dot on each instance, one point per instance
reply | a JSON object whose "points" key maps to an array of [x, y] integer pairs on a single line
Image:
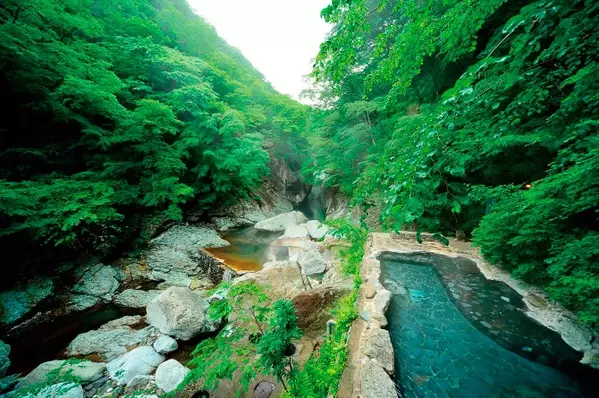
{"points": [[259, 333], [254, 340], [356, 236], [60, 211], [476, 101], [281, 330], [118, 110], [321, 374]]}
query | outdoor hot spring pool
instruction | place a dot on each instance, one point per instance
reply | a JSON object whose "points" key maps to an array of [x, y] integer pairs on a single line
{"points": [[457, 334]]}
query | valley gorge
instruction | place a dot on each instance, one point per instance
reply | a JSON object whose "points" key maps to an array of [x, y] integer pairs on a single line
{"points": [[422, 222]]}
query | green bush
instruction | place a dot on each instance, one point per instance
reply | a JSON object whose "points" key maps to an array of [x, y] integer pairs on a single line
{"points": [[321, 374], [120, 110], [482, 117]]}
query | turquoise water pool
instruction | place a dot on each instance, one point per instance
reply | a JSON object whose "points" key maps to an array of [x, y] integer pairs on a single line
{"points": [[484, 348]]}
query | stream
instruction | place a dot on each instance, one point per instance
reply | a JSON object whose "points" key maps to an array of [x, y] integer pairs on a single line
{"points": [[248, 250], [457, 334], [47, 341], [249, 247]]}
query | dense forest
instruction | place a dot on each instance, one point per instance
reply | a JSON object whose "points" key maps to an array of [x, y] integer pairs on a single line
{"points": [[120, 113], [470, 118], [479, 116]]}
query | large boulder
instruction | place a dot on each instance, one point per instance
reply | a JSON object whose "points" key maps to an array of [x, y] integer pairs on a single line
{"points": [[296, 231], [61, 390], [16, 303], [112, 339], [376, 383], [165, 345], [313, 308], [141, 361], [312, 262], [286, 248], [181, 313], [80, 302], [280, 222], [83, 371], [4, 359], [140, 382], [97, 280], [316, 229], [132, 298], [190, 238], [170, 374], [250, 211], [379, 348], [175, 256], [279, 264], [282, 281]]}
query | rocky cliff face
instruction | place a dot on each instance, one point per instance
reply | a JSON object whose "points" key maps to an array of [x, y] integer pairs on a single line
{"points": [[279, 193], [173, 256]]}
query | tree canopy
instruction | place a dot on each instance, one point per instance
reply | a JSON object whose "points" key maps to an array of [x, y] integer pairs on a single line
{"points": [[478, 116], [117, 112]]}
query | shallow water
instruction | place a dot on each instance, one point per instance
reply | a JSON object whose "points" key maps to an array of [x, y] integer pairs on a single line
{"points": [[456, 334], [248, 250], [48, 341]]}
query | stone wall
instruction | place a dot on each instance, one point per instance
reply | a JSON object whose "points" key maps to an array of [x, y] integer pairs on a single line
{"points": [[369, 370], [370, 365]]}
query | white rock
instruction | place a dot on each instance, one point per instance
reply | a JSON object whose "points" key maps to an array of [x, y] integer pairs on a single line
{"points": [[316, 229], [312, 262], [376, 383], [170, 374], [280, 222], [295, 231], [86, 371], [378, 346], [279, 264], [62, 390], [140, 381], [97, 280], [381, 301], [141, 361], [132, 298], [165, 344], [180, 313], [175, 255], [112, 339], [298, 247]]}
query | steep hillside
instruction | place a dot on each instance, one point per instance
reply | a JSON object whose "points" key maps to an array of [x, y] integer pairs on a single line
{"points": [[475, 117], [120, 113]]}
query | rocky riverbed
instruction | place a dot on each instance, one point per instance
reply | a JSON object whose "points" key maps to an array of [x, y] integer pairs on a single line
{"points": [[460, 312], [154, 305]]}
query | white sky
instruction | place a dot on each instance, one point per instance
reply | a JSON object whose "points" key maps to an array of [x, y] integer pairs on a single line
{"points": [[279, 37]]}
